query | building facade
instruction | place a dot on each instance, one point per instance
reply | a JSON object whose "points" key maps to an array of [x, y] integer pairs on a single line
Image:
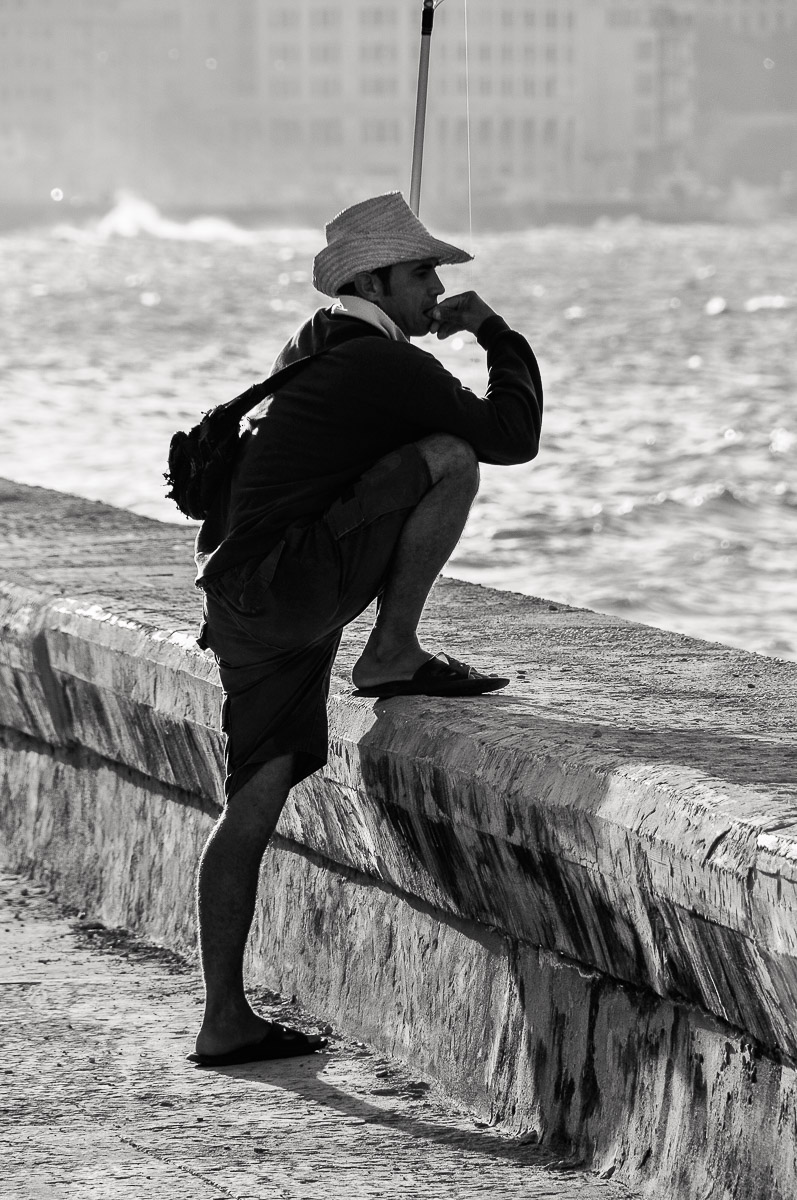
{"points": [[755, 17], [292, 104]]}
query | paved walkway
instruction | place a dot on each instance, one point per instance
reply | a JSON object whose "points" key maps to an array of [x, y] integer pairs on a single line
{"points": [[97, 1100]]}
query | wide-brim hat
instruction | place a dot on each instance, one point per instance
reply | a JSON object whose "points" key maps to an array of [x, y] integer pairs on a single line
{"points": [[376, 233]]}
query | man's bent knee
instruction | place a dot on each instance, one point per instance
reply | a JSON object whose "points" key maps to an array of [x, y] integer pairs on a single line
{"points": [[448, 455]]}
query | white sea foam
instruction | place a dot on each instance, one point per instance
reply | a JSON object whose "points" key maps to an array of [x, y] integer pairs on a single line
{"points": [[132, 216], [761, 303]]}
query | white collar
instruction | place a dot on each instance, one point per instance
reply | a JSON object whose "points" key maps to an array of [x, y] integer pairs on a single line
{"points": [[364, 310]]}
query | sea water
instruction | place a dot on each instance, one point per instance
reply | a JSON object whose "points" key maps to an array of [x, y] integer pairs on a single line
{"points": [[665, 489]]}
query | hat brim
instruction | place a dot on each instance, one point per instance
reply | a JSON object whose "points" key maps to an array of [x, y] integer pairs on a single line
{"points": [[339, 263]]}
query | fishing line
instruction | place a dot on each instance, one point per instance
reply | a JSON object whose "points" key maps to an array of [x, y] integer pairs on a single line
{"points": [[467, 139], [473, 354]]}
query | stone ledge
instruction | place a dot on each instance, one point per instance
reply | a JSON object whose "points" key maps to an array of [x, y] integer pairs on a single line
{"points": [[628, 804], [656, 1094]]}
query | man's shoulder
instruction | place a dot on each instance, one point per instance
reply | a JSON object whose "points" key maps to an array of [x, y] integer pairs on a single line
{"points": [[387, 350], [323, 331], [390, 360], [355, 344]]}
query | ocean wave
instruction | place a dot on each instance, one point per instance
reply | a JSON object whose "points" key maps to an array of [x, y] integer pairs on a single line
{"points": [[662, 492], [768, 303], [134, 217]]}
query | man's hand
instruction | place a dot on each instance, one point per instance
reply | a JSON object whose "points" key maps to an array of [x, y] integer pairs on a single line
{"points": [[467, 311]]}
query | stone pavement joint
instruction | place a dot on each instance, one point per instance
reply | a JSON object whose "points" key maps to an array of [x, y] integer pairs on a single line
{"points": [[99, 1103]]}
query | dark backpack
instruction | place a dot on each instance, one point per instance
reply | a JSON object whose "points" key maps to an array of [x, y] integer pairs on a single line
{"points": [[201, 461]]}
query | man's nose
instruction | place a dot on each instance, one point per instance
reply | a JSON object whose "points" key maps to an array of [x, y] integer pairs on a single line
{"points": [[436, 286]]}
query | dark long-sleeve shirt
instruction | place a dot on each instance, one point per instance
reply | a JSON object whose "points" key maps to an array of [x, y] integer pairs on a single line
{"points": [[363, 397]]}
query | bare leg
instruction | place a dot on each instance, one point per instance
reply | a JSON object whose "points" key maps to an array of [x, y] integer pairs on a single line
{"points": [[226, 892], [427, 540]]}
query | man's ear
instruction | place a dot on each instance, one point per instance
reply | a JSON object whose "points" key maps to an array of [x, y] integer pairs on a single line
{"points": [[369, 286]]}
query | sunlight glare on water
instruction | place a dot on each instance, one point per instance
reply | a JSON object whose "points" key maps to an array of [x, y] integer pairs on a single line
{"points": [[665, 489]]}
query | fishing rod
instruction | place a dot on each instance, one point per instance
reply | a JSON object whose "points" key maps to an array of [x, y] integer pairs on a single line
{"points": [[427, 25]]}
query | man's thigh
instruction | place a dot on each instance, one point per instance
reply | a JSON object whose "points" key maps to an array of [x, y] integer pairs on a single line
{"points": [[320, 577], [367, 522]]}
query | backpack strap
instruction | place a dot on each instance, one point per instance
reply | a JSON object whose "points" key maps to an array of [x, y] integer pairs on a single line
{"points": [[239, 406]]}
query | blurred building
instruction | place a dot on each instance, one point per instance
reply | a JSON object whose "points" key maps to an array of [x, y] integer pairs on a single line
{"points": [[535, 101], [307, 104], [84, 87], [756, 17]]}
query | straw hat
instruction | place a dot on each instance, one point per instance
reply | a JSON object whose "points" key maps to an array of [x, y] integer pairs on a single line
{"points": [[376, 233]]}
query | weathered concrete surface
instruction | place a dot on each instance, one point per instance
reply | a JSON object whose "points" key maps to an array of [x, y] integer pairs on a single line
{"points": [[629, 805], [640, 1089], [98, 1100]]}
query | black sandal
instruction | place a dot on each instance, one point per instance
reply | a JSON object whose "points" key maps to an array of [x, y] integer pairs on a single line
{"points": [[441, 675], [277, 1042]]}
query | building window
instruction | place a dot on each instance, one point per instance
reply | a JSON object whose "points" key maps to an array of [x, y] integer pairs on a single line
{"points": [[324, 18], [377, 16], [285, 54], [287, 132], [325, 85], [644, 122], [324, 52], [285, 18], [326, 131], [379, 85], [285, 86], [380, 130], [377, 52]]}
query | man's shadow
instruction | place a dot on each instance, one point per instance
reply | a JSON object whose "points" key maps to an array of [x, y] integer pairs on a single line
{"points": [[303, 1077]]}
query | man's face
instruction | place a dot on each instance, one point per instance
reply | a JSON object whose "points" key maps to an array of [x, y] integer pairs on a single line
{"points": [[415, 288]]}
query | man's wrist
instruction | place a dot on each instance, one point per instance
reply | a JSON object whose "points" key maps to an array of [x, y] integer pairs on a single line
{"points": [[491, 328]]}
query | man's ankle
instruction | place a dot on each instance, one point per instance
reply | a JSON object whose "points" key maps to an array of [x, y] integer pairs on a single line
{"points": [[385, 646]]}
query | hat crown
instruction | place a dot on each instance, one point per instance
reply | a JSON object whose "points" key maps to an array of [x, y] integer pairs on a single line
{"points": [[372, 218]]}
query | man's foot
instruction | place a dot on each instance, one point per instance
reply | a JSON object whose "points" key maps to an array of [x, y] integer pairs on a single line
{"points": [[229, 1034], [278, 1041], [373, 668], [440, 675]]}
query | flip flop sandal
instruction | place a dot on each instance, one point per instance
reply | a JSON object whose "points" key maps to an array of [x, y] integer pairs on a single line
{"points": [[278, 1042], [440, 675]]}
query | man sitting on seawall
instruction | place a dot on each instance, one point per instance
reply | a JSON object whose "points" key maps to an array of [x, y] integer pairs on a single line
{"points": [[352, 483]]}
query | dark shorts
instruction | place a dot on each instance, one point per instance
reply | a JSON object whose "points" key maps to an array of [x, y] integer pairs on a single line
{"points": [[274, 624]]}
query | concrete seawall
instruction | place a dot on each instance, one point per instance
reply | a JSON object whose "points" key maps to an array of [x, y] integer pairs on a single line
{"points": [[573, 902]]}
